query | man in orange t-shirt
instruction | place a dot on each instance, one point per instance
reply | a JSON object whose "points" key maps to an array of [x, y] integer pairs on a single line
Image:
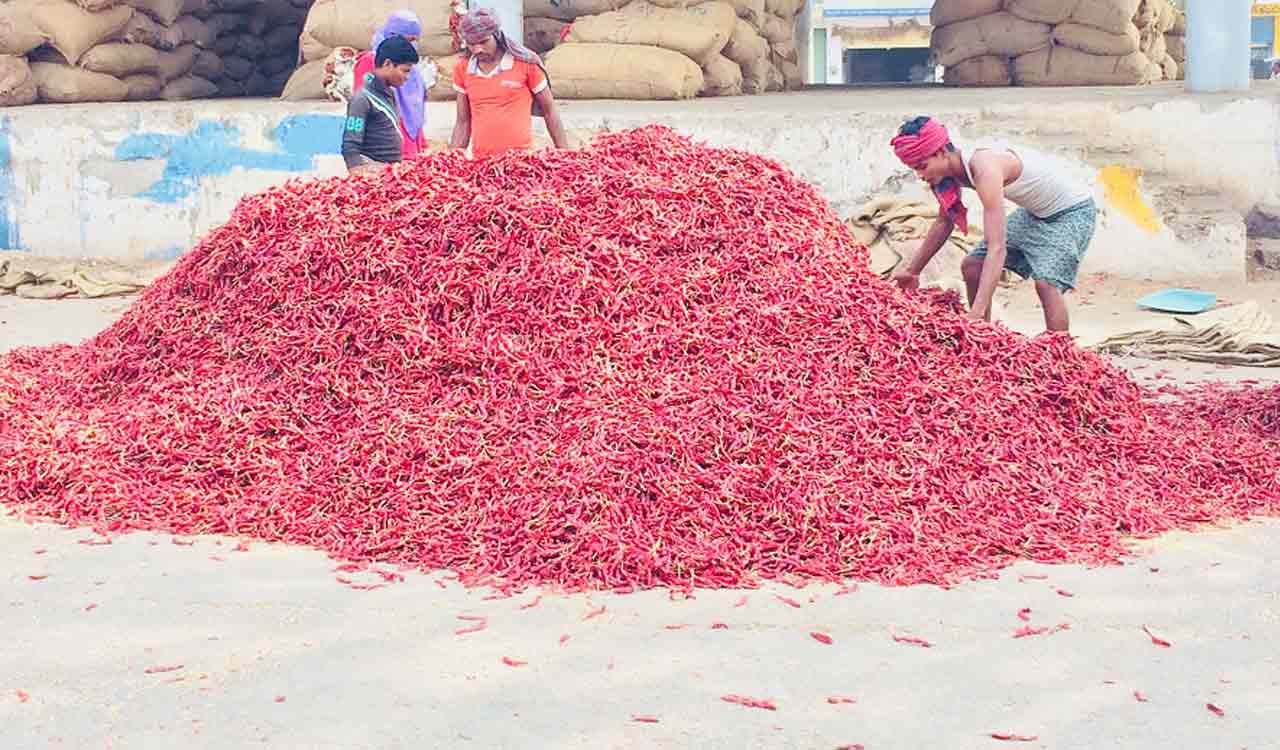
{"points": [[498, 83]]}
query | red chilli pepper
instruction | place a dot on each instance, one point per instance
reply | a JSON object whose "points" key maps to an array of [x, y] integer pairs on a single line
{"points": [[821, 638], [1156, 639], [743, 700]]}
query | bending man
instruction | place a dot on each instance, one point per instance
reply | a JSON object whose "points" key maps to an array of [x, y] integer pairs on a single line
{"points": [[1044, 239]]}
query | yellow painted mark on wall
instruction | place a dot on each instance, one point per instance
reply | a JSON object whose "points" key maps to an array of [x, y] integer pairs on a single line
{"points": [[1121, 190]]}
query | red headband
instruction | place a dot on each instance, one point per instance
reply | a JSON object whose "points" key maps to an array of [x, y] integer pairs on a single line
{"points": [[915, 149]]}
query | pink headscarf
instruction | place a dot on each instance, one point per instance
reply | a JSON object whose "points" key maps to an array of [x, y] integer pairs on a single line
{"points": [[913, 149]]}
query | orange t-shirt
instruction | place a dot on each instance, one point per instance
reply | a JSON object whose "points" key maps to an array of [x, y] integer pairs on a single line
{"points": [[501, 103]]}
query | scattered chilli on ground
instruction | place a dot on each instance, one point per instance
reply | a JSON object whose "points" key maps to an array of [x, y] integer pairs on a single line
{"points": [[643, 363]]}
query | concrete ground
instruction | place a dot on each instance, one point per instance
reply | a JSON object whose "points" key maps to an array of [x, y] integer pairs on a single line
{"points": [[264, 648]]}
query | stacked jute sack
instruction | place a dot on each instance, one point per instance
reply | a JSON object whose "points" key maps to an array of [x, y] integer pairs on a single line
{"points": [[337, 30], [110, 50], [1175, 42], [665, 49], [1052, 42]]}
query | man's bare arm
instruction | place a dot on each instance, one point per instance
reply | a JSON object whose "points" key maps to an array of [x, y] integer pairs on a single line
{"points": [[988, 180]]}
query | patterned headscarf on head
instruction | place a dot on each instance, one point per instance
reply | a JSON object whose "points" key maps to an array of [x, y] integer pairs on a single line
{"points": [[411, 98], [481, 23]]}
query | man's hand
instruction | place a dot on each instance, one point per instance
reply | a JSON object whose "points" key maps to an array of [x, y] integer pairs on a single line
{"points": [[906, 281]]}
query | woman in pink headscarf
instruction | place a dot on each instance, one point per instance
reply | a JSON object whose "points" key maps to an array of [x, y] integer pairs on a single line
{"points": [[411, 98], [500, 83]]}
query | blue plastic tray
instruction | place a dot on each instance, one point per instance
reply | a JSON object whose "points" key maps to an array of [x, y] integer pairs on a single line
{"points": [[1187, 301]]}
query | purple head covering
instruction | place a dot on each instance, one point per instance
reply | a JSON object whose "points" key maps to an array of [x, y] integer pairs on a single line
{"points": [[411, 98]]}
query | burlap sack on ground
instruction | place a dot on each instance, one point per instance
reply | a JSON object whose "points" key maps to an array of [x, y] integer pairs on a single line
{"points": [[786, 51], [745, 45], [188, 87], [568, 10], [141, 29], [143, 87], [1063, 66], [774, 80], [164, 12], [208, 65], [1176, 46], [195, 31], [178, 62], [543, 34], [622, 71], [443, 90], [37, 277], [1095, 41], [73, 30], [120, 59], [892, 228], [17, 85], [947, 12], [19, 33], [237, 68], [987, 70], [777, 30], [306, 83], [1000, 34], [67, 84], [1111, 15], [277, 82], [351, 23], [699, 32], [228, 87], [721, 77]]}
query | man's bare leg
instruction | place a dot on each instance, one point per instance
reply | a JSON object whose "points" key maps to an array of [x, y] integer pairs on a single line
{"points": [[971, 270], [1056, 317]]}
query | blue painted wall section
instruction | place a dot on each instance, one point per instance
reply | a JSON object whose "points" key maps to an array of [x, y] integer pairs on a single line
{"points": [[9, 237], [213, 148]]}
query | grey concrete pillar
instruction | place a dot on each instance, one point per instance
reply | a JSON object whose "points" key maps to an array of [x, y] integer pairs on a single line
{"points": [[1218, 45]]}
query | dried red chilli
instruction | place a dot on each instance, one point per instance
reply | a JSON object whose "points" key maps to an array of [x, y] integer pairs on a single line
{"points": [[162, 669], [821, 638], [1139, 696], [1064, 592], [743, 700], [39, 577], [1024, 614], [912, 640], [595, 613], [644, 718], [1216, 710], [836, 700], [1162, 643], [513, 662], [539, 369], [476, 627], [23, 696], [719, 626], [1010, 737], [742, 601], [788, 601], [533, 603]]}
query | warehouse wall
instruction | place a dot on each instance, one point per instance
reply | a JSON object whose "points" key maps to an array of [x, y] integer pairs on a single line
{"points": [[1175, 174]]}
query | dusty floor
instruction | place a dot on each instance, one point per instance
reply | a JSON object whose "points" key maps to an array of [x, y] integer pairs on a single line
{"points": [[268, 650]]}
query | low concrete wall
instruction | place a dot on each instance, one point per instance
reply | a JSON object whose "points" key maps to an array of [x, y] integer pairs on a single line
{"points": [[133, 181]]}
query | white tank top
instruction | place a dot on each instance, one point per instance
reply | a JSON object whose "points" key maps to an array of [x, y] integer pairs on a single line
{"points": [[1042, 189]]}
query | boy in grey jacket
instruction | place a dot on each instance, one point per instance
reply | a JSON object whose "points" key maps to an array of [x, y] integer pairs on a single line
{"points": [[371, 134]]}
